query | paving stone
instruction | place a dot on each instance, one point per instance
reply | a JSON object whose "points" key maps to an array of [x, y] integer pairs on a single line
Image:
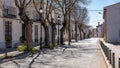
{"points": [[83, 54]]}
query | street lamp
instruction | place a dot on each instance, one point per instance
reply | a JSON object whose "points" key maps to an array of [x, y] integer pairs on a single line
{"points": [[41, 11], [58, 27]]}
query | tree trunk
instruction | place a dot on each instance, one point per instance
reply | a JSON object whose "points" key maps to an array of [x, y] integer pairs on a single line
{"points": [[62, 33], [80, 34], [29, 40], [61, 37], [83, 34], [69, 29], [53, 34], [76, 31], [28, 26], [46, 35]]}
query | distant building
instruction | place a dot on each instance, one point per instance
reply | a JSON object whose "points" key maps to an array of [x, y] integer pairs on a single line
{"points": [[112, 23], [94, 33], [100, 30]]}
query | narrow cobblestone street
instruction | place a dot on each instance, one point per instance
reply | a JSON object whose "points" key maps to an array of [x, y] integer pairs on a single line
{"points": [[83, 54]]}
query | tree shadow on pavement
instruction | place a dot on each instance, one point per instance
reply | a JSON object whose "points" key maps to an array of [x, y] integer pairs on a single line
{"points": [[70, 46], [33, 60], [3, 51], [13, 58], [50, 57]]}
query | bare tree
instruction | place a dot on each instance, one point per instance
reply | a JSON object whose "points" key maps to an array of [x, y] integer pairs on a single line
{"points": [[40, 4], [80, 16], [65, 6], [76, 16], [48, 20], [50, 8], [22, 5], [84, 18]]}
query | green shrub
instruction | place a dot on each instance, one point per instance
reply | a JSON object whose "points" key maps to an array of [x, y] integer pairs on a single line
{"points": [[50, 46], [22, 48], [56, 45], [32, 49]]}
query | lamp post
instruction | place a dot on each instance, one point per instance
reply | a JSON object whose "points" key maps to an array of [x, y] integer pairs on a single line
{"points": [[41, 11], [58, 28]]}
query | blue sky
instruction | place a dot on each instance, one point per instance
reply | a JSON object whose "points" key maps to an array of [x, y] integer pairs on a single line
{"points": [[95, 17]]}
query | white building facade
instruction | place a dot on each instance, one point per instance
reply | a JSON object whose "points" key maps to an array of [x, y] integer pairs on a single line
{"points": [[112, 23], [12, 29]]}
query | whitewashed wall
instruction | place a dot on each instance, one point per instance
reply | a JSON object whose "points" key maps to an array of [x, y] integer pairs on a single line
{"points": [[16, 31], [113, 23], [2, 37]]}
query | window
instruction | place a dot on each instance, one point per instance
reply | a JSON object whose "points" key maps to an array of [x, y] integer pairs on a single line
{"points": [[8, 34], [8, 28]]}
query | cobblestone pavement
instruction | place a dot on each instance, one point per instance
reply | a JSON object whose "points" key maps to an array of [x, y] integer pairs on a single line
{"points": [[83, 54]]}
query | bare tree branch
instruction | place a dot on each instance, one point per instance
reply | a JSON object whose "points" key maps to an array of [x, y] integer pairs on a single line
{"points": [[27, 3], [17, 4]]}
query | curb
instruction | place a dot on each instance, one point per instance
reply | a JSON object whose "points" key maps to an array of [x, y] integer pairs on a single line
{"points": [[13, 54], [9, 56], [105, 58]]}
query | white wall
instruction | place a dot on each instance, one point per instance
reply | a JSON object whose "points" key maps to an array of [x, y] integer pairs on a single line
{"points": [[16, 31], [113, 23], [2, 36]]}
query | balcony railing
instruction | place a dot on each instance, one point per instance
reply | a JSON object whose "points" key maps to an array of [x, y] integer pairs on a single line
{"points": [[10, 12]]}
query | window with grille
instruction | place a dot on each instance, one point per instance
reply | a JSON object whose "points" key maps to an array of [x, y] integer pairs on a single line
{"points": [[8, 28]]}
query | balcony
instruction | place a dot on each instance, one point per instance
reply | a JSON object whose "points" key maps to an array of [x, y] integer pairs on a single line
{"points": [[10, 12]]}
